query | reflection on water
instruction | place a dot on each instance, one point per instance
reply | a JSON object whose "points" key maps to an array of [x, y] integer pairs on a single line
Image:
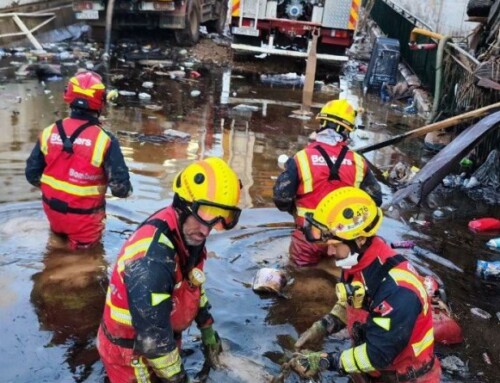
{"points": [[51, 300]]}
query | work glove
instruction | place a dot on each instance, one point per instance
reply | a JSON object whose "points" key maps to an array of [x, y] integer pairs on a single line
{"points": [[327, 325], [181, 377], [309, 364], [112, 95], [212, 345], [168, 368]]}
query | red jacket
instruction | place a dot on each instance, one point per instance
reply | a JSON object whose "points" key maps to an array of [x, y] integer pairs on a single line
{"points": [[150, 296], [76, 178], [394, 330]]}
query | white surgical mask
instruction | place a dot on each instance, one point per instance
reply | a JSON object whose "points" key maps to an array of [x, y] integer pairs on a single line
{"points": [[348, 262]]}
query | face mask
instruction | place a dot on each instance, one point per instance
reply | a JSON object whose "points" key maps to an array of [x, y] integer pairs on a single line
{"points": [[348, 262]]}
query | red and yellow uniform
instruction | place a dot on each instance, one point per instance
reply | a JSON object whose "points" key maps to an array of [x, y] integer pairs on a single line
{"points": [[151, 300]]}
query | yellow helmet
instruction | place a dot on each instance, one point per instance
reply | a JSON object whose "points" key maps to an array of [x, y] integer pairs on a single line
{"points": [[340, 112], [211, 191], [346, 213]]}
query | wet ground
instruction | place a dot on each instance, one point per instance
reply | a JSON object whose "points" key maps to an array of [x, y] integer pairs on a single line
{"points": [[52, 299]]}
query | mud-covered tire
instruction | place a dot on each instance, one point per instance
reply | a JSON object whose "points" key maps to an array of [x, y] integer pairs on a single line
{"points": [[479, 8], [190, 35], [218, 25]]}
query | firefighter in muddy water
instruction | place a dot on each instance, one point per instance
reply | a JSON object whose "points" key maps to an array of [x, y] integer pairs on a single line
{"points": [[321, 167], [156, 288], [381, 299], [74, 161]]}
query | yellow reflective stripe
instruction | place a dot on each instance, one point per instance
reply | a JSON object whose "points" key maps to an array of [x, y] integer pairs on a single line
{"points": [[132, 250], [362, 360], [44, 139], [141, 372], [157, 298], [347, 361], [165, 241], [118, 314], [168, 365], [425, 343], [99, 148], [360, 169], [405, 276], [305, 171], [82, 191], [301, 211], [203, 298], [385, 323]]}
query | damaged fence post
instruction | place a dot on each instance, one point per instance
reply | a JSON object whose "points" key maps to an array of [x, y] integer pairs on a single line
{"points": [[307, 92]]}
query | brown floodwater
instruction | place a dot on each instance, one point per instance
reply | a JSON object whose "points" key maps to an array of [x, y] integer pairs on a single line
{"points": [[52, 298]]}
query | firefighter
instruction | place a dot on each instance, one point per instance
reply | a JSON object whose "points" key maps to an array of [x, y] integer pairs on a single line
{"points": [[74, 161], [381, 299], [156, 288], [321, 167]]}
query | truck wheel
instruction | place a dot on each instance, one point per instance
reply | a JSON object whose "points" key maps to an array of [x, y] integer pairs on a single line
{"points": [[190, 35], [218, 25]]}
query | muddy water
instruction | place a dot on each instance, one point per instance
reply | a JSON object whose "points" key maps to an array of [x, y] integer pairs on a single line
{"points": [[52, 299]]}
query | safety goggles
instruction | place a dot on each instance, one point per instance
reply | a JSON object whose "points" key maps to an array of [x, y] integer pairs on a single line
{"points": [[210, 214], [317, 232]]}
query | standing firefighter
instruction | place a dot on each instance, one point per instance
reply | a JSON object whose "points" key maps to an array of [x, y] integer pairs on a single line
{"points": [[321, 167], [156, 288], [381, 299], [74, 161]]}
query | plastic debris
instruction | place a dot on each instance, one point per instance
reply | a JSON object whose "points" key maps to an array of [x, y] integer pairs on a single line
{"points": [[195, 93], [484, 224], [454, 364], [480, 313], [269, 280], [488, 270], [419, 222], [486, 358], [402, 244], [436, 258], [144, 96], [493, 243], [126, 93], [147, 84], [176, 134]]}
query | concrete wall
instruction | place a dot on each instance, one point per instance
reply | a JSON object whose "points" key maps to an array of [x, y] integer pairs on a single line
{"points": [[443, 16]]}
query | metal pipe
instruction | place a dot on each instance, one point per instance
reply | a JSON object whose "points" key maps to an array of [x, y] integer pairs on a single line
{"points": [[423, 32], [109, 26]]}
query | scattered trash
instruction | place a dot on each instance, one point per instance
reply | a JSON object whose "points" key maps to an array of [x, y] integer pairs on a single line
{"points": [[436, 258], [287, 79], [488, 270], [486, 358], [144, 96], [402, 245], [402, 173], [147, 84], [154, 107], [454, 364], [480, 313], [194, 74], [176, 134], [126, 93], [195, 93], [484, 224], [419, 222], [498, 315], [269, 280], [493, 243]]}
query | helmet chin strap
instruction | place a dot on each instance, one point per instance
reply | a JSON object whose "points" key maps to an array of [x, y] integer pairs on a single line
{"points": [[355, 254]]}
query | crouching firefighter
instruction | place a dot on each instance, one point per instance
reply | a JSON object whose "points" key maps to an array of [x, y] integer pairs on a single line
{"points": [[381, 299], [156, 288]]}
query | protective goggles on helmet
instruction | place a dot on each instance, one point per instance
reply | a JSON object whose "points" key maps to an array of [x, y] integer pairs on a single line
{"points": [[317, 232], [211, 213]]}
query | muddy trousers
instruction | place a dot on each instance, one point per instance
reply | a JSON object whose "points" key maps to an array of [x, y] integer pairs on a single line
{"points": [[432, 376], [122, 365], [303, 252], [83, 230]]}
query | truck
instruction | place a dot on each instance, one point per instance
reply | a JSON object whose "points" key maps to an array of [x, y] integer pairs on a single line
{"points": [[184, 17], [286, 27]]}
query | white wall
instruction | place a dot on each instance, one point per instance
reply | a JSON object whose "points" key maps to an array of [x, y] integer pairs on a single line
{"points": [[443, 16]]}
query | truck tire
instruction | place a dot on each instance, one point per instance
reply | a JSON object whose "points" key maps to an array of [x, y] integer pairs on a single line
{"points": [[217, 25], [190, 35]]}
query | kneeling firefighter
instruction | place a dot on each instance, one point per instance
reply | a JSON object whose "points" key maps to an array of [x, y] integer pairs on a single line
{"points": [[381, 299], [156, 288]]}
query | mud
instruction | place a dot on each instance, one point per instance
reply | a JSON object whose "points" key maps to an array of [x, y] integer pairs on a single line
{"points": [[52, 300]]}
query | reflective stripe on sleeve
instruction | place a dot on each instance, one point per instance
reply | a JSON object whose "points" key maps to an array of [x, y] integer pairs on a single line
{"points": [[99, 148], [141, 372], [168, 365], [356, 360], [118, 314], [203, 298], [305, 171], [44, 139], [359, 169], [402, 277], [132, 250]]}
